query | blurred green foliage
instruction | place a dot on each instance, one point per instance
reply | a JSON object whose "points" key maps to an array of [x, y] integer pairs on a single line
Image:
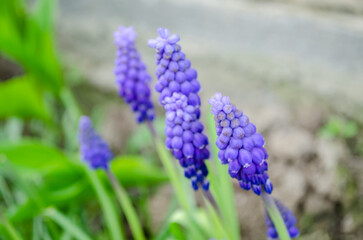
{"points": [[27, 37], [339, 128], [46, 192], [19, 97], [42, 181]]}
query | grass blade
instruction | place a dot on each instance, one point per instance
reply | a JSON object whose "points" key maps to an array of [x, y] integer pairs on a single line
{"points": [[9, 228], [127, 207], [65, 223], [5, 192], [108, 207]]}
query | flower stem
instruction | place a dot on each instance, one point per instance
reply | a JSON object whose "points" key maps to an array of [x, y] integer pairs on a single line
{"points": [[127, 207], [275, 216], [172, 173], [151, 127], [174, 177], [209, 196], [107, 206], [169, 167], [220, 228]]}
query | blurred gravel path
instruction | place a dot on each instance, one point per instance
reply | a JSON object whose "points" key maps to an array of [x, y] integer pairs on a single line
{"points": [[270, 52]]}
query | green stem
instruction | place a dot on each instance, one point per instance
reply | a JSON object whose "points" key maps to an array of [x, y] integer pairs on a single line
{"points": [[127, 207], [221, 230], [275, 216], [172, 173], [70, 103], [10, 229], [209, 196], [175, 179], [108, 208], [170, 168]]}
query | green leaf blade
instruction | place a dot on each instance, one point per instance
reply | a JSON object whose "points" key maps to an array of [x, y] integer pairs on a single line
{"points": [[19, 97], [108, 207], [66, 224]]}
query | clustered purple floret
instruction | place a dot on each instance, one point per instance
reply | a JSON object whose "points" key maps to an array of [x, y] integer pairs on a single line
{"points": [[240, 146], [173, 69], [94, 150], [289, 220], [185, 139], [178, 87], [132, 77]]}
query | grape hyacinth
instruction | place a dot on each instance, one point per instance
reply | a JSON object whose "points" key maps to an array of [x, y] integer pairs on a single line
{"points": [[131, 74], [94, 150], [173, 69], [186, 140], [240, 146], [178, 87], [289, 220]]}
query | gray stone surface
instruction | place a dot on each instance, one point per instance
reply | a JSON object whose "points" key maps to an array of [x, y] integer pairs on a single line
{"points": [[291, 143], [341, 6]]}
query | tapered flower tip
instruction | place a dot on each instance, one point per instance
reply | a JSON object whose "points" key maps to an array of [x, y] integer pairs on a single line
{"points": [[85, 121], [85, 128], [163, 32], [124, 36], [164, 38], [217, 97], [94, 150]]}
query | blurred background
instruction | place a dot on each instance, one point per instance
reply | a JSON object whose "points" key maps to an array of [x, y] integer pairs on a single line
{"points": [[294, 66]]}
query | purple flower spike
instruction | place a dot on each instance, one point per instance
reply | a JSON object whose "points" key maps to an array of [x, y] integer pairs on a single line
{"points": [[94, 150], [173, 70], [240, 146], [132, 77], [178, 87], [289, 219], [187, 142]]}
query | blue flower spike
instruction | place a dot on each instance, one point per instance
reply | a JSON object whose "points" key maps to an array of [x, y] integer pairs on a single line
{"points": [[94, 150], [185, 139], [240, 146], [173, 70], [178, 87], [131, 74]]}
